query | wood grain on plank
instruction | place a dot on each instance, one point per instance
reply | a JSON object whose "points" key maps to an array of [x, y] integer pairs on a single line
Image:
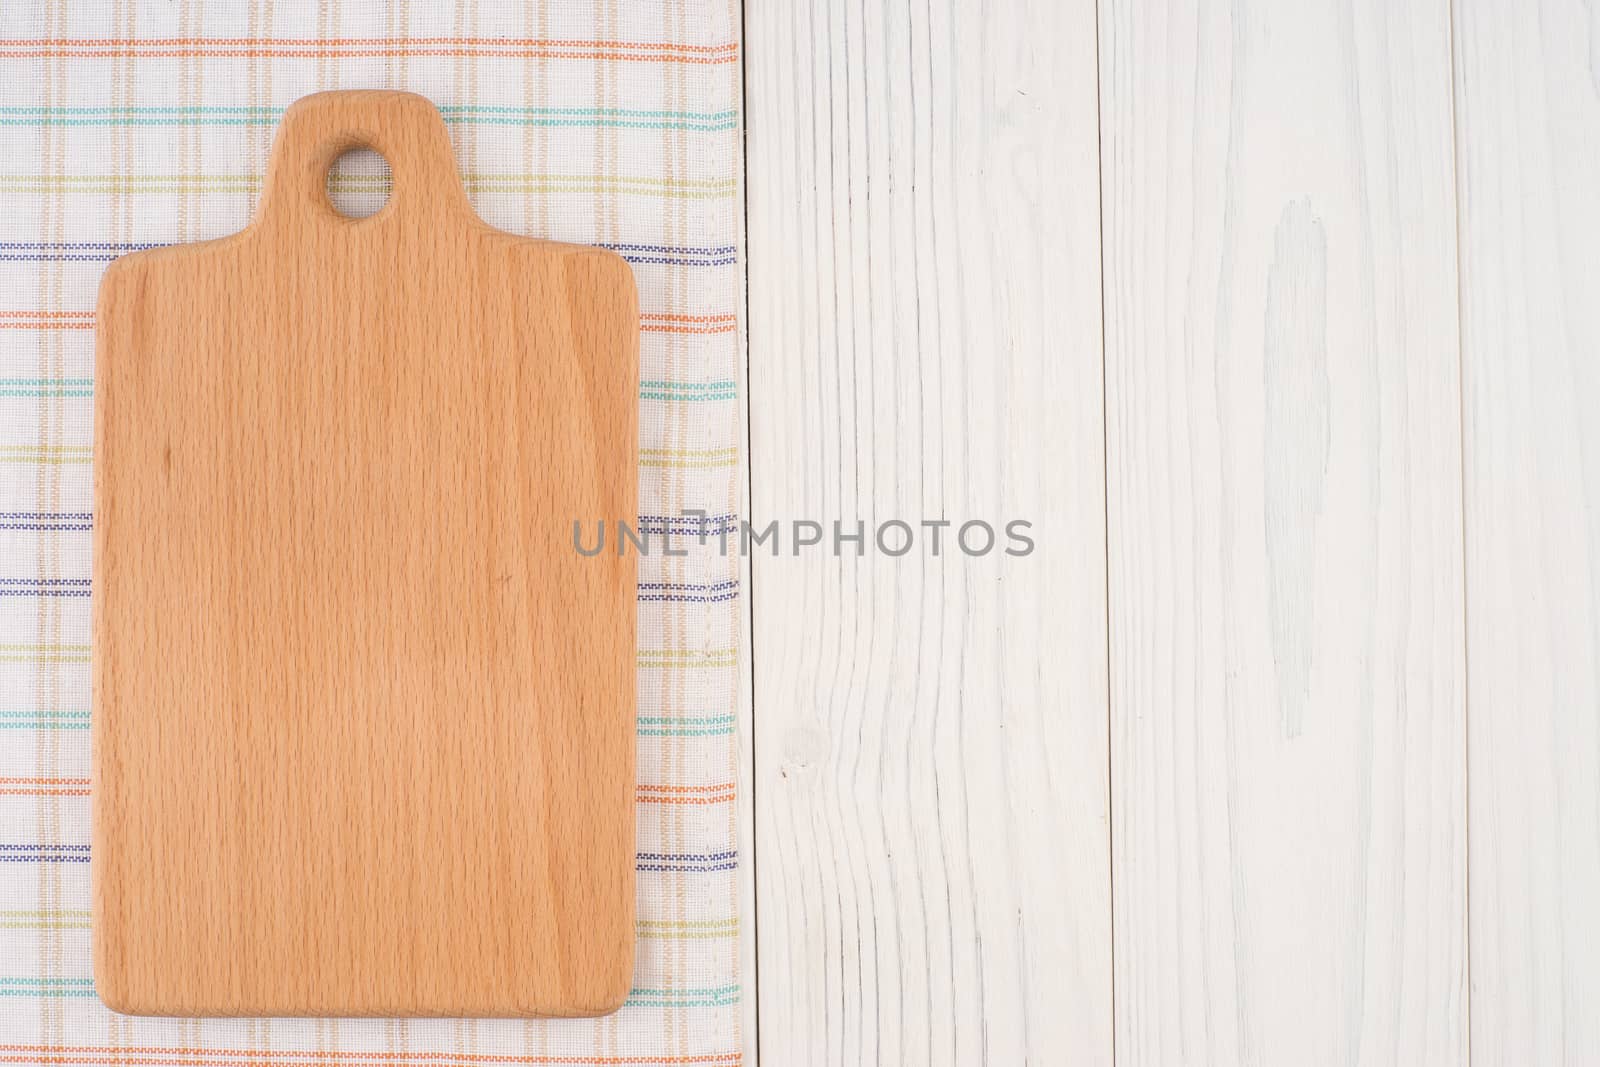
{"points": [[364, 720], [1284, 531], [1528, 167], [925, 345]]}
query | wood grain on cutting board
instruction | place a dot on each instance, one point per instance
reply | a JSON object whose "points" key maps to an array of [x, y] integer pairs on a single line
{"points": [[364, 718]]}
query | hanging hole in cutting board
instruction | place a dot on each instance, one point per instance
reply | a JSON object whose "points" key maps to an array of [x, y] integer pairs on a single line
{"points": [[359, 183]]}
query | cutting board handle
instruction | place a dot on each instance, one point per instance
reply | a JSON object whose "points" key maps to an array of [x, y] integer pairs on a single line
{"points": [[406, 129]]}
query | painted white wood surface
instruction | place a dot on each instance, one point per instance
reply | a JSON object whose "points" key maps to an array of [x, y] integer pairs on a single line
{"points": [[931, 856], [1528, 174], [1285, 576]]}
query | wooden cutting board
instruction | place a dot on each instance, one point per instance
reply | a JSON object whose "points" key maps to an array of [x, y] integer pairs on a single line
{"points": [[363, 717]]}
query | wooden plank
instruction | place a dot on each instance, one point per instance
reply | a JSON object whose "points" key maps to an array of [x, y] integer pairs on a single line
{"points": [[1285, 533], [925, 344], [340, 628], [1527, 174], [749, 972]]}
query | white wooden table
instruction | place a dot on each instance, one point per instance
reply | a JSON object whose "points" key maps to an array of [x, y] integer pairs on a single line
{"points": [[1281, 324]]}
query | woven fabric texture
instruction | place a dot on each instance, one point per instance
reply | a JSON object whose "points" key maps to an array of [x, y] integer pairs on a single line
{"points": [[128, 124]]}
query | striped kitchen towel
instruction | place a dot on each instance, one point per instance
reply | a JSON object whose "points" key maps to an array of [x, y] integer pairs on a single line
{"points": [[127, 124]]}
